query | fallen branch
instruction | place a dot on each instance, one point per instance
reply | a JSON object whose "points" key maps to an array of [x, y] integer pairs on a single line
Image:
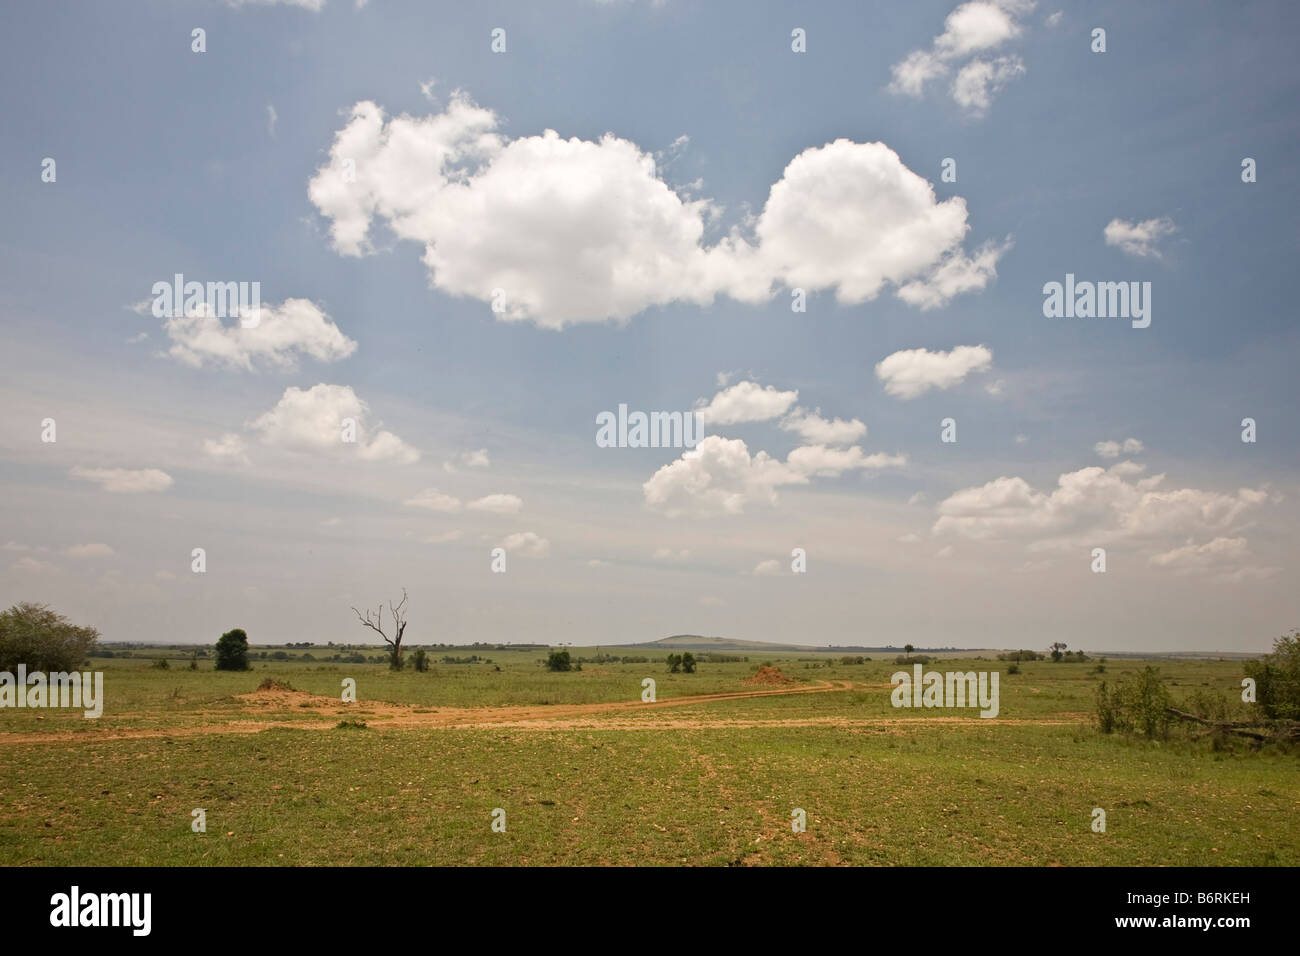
{"points": [[1232, 728]]}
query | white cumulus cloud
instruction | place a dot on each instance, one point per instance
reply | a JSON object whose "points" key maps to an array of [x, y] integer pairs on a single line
{"points": [[971, 31], [280, 336], [745, 402], [1113, 449], [559, 231], [1141, 239], [313, 420], [1091, 504], [815, 430], [720, 477], [913, 372]]}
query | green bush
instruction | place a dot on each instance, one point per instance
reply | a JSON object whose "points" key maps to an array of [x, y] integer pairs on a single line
{"points": [[419, 660], [1106, 701], [43, 640], [912, 659], [1137, 704], [1277, 679], [559, 661]]}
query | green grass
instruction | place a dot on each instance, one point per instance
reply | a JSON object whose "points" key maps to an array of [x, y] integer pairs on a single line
{"points": [[993, 796], [1006, 792]]}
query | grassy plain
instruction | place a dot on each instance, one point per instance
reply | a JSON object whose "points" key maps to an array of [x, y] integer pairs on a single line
{"points": [[588, 774]]}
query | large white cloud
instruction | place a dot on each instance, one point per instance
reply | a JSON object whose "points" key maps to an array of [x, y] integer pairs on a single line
{"points": [[1092, 504], [719, 476], [913, 372], [313, 420], [852, 217], [277, 336], [559, 231]]}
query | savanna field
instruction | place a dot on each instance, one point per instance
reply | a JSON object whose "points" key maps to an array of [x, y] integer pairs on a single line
{"points": [[587, 773]]}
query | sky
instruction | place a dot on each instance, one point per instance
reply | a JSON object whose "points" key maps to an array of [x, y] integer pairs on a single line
{"points": [[829, 230]]}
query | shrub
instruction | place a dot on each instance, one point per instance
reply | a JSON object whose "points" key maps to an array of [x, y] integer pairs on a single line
{"points": [[1137, 704], [688, 663], [1013, 669], [1277, 679], [1020, 656], [42, 639], [559, 661], [232, 651], [1105, 709], [160, 663], [419, 660], [914, 659], [674, 662]]}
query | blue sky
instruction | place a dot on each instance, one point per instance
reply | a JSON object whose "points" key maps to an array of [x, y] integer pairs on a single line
{"points": [[169, 161]]}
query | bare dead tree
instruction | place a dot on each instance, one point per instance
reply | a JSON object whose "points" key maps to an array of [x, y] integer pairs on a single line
{"points": [[376, 624]]}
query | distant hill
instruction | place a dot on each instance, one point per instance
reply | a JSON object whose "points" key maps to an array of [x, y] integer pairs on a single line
{"points": [[697, 642]]}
